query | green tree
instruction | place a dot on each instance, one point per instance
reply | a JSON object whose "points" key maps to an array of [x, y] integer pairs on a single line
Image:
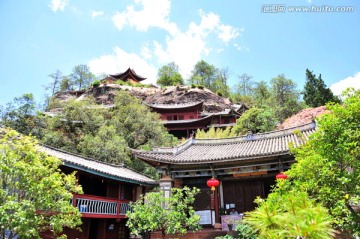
{"points": [[284, 97], [54, 85], [81, 76], [245, 85], [20, 114], [85, 128], [328, 165], [203, 74], [209, 76], [34, 194], [172, 215], [213, 133], [315, 91], [169, 75], [290, 214], [66, 84], [255, 120], [260, 94]]}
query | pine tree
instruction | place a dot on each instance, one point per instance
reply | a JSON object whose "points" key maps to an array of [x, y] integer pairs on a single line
{"points": [[315, 91]]}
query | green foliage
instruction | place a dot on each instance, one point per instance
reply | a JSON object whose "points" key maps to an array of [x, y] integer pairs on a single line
{"points": [[290, 214], [20, 114], [96, 83], [81, 76], [169, 75], [213, 133], [55, 84], [245, 85], [210, 77], [172, 215], [255, 120], [244, 231], [284, 97], [261, 94], [34, 194], [315, 91], [224, 237], [66, 84], [84, 128], [328, 165]]}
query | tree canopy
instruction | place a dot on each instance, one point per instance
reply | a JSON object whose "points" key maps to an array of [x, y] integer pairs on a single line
{"points": [[211, 77], [328, 165], [20, 114], [172, 215], [85, 128], [284, 97], [169, 75], [290, 214], [34, 194], [315, 91]]}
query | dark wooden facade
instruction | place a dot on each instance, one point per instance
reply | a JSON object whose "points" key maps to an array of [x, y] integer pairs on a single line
{"points": [[107, 193], [182, 120]]}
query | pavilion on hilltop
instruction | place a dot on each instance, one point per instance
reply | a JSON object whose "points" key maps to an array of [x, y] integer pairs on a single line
{"points": [[128, 76]]}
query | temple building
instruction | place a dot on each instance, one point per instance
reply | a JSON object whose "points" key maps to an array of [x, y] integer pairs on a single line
{"points": [[182, 120], [245, 166], [108, 191], [128, 76]]}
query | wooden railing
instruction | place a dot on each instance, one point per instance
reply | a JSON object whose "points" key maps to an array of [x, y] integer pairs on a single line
{"points": [[100, 206]]}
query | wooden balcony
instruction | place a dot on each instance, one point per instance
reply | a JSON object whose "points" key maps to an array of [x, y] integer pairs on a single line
{"points": [[100, 207]]}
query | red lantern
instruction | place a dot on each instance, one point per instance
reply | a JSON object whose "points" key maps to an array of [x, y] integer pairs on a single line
{"points": [[281, 175], [213, 183]]}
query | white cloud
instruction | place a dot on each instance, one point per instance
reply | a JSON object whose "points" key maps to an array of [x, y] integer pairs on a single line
{"points": [[119, 61], [227, 32], [351, 81], [145, 51], [58, 5], [96, 14], [185, 48], [154, 13]]}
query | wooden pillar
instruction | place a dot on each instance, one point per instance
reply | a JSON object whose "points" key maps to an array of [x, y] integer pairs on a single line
{"points": [[118, 203], [217, 205]]}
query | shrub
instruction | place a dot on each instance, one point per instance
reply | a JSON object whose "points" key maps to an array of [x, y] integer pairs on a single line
{"points": [[244, 231], [96, 83]]}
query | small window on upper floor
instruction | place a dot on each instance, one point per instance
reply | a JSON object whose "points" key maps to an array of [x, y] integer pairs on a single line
{"points": [[169, 117], [181, 117]]}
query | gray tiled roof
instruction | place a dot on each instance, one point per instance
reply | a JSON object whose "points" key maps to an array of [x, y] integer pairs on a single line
{"points": [[119, 173], [255, 146]]}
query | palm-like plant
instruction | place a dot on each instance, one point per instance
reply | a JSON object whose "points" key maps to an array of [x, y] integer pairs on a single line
{"points": [[290, 215]]}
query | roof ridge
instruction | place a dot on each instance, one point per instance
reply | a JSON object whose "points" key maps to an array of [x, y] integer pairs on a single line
{"points": [[83, 157], [265, 135], [123, 166]]}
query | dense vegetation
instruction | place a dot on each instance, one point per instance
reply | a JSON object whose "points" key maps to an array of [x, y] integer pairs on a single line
{"points": [[34, 193], [177, 217], [322, 191]]}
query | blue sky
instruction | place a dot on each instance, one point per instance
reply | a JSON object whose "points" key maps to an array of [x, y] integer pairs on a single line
{"points": [[262, 38]]}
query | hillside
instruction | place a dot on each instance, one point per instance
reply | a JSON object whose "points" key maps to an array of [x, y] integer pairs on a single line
{"points": [[105, 93]]}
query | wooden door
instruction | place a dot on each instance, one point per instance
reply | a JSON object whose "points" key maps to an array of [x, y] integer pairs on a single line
{"points": [[242, 194]]}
